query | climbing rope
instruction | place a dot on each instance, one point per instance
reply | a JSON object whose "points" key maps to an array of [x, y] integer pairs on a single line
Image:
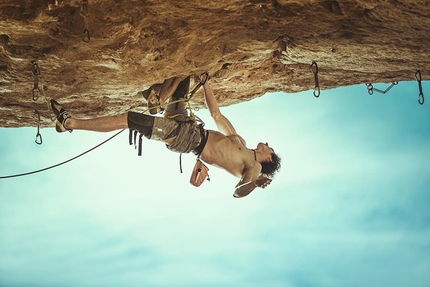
{"points": [[186, 99], [64, 162], [314, 69]]}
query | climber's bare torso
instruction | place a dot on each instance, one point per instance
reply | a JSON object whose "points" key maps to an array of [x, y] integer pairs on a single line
{"points": [[229, 153]]}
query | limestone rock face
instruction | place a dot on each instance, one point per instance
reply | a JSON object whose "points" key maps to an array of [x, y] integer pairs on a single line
{"points": [[94, 56]]}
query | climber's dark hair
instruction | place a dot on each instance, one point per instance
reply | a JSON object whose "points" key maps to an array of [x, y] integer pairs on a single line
{"points": [[270, 168]]}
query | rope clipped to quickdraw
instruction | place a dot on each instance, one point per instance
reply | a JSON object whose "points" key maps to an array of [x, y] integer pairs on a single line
{"points": [[84, 13], [370, 88], [420, 87], [314, 69]]}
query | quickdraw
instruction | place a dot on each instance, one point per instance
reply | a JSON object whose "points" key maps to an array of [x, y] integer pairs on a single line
{"points": [[314, 69], [370, 88], [420, 87], [36, 72], [36, 92]]}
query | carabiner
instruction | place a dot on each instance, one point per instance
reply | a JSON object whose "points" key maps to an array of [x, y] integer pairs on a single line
{"points": [[206, 78], [38, 138], [38, 135], [421, 99], [86, 35], [35, 92], [35, 68], [84, 8], [369, 88]]}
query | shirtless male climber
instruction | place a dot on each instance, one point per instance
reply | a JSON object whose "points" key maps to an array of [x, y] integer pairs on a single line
{"points": [[223, 148]]}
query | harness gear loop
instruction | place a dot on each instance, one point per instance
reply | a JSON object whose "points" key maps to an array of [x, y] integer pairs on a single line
{"points": [[130, 137], [314, 69], [139, 151], [420, 87], [38, 135], [134, 139]]}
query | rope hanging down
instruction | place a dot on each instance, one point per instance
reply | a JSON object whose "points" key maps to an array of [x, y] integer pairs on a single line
{"points": [[64, 162]]}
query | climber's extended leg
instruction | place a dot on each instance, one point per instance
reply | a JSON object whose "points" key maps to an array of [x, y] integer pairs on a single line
{"points": [[104, 124]]}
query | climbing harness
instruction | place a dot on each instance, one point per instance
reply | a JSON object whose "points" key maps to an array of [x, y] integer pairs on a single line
{"points": [[64, 162], [132, 137], [200, 171], [370, 88], [38, 135], [84, 14], [420, 87], [314, 69]]}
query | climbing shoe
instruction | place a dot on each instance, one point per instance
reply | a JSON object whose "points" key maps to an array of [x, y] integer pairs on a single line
{"points": [[152, 99], [61, 116]]}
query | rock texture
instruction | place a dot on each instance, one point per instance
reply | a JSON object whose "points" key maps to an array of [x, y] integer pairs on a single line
{"points": [[249, 47]]}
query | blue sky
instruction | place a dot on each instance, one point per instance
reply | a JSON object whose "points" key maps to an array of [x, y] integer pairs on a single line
{"points": [[350, 206]]}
